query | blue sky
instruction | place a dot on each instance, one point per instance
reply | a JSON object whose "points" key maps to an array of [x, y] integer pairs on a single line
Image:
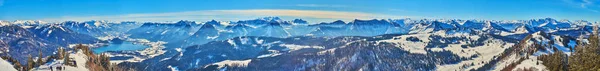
{"points": [[313, 10]]}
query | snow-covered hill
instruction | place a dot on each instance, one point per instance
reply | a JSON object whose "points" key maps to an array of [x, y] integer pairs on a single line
{"points": [[6, 66], [78, 57]]}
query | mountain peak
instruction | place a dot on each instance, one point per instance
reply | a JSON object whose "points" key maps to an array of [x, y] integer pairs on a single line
{"points": [[372, 21], [271, 19], [300, 21], [337, 22], [2, 23], [213, 22], [549, 19], [186, 22], [99, 21], [543, 20], [28, 22]]}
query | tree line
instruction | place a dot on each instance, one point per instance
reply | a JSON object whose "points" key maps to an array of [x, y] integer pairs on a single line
{"points": [[585, 57]]}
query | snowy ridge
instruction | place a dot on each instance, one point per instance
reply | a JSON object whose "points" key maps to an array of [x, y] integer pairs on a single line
{"points": [[239, 63]]}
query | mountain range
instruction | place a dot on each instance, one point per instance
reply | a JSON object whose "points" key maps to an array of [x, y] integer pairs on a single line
{"points": [[271, 43]]}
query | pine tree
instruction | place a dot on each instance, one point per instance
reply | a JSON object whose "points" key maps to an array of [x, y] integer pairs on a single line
{"points": [[586, 57], [18, 66], [554, 61], [83, 48], [60, 53], [30, 63], [40, 61], [104, 61], [16, 63], [66, 59], [595, 40]]}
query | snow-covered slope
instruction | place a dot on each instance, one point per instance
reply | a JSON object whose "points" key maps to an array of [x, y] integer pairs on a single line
{"points": [[101, 28], [78, 57], [6, 66], [19, 42], [61, 35]]}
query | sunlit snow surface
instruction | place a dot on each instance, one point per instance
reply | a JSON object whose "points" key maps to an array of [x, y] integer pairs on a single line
{"points": [[78, 57], [6, 66]]}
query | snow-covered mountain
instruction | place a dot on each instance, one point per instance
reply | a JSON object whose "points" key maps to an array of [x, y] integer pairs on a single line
{"points": [[101, 28], [18, 41], [194, 34], [272, 43], [61, 35], [168, 32]]}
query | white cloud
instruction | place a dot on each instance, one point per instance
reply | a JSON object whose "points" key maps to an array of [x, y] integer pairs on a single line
{"points": [[591, 5], [585, 3], [232, 15]]}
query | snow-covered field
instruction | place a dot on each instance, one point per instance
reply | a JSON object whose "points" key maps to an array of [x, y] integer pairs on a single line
{"points": [[532, 62], [293, 47], [233, 62], [486, 53], [411, 46], [79, 58], [6, 66]]}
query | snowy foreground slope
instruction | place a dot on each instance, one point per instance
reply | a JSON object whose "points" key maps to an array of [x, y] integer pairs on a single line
{"points": [[77, 57], [6, 66], [274, 44]]}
